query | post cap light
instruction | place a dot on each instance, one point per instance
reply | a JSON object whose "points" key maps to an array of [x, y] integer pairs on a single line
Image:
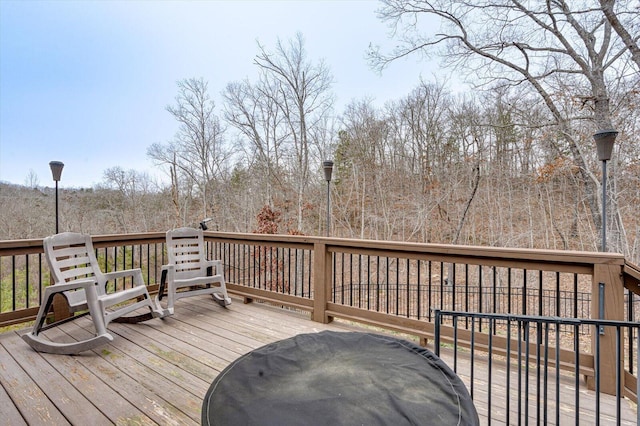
{"points": [[56, 169], [328, 169], [604, 143]]}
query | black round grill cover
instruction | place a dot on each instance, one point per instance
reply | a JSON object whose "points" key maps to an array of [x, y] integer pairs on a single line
{"points": [[338, 378]]}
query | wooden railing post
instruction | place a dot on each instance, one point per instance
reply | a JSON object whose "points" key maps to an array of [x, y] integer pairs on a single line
{"points": [[607, 283], [321, 282]]}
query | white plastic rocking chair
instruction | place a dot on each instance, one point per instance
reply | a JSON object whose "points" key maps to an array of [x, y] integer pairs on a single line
{"points": [[189, 273], [77, 276]]}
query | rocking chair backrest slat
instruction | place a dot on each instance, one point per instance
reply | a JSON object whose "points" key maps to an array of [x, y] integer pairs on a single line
{"points": [[186, 252], [185, 240], [70, 251], [185, 259], [77, 273], [71, 257], [72, 262]]}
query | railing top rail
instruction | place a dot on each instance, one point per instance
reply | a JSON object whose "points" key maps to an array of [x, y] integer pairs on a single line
{"points": [[632, 269], [121, 239], [20, 244], [451, 253], [537, 318], [539, 255], [631, 277], [34, 245], [273, 240], [477, 252]]}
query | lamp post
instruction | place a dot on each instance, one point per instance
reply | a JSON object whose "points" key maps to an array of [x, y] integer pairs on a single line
{"points": [[604, 143], [328, 169], [56, 171]]}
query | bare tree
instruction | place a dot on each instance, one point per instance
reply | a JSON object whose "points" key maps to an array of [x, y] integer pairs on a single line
{"points": [[301, 91], [630, 24], [557, 49], [253, 109], [361, 168], [32, 181], [197, 154], [131, 201], [418, 145]]}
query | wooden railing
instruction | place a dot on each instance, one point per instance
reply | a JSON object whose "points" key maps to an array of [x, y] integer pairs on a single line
{"points": [[24, 272], [394, 285], [397, 286]]}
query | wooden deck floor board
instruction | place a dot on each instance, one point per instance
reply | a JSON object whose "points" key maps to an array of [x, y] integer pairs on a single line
{"points": [[182, 371], [261, 333], [157, 372], [185, 353], [27, 397], [204, 346], [107, 400], [73, 405], [9, 412], [153, 377], [208, 321], [135, 383]]}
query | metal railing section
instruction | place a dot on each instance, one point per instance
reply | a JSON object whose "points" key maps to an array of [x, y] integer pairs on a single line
{"points": [[21, 281], [284, 270], [413, 288], [528, 387]]}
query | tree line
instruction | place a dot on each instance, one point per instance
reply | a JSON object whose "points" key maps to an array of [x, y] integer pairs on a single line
{"points": [[511, 162]]}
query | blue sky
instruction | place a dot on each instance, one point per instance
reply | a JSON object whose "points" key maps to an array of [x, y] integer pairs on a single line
{"points": [[87, 82]]}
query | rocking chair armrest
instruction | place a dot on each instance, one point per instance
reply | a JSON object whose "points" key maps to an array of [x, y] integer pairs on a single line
{"points": [[135, 273], [217, 264], [168, 270], [76, 285], [86, 285]]}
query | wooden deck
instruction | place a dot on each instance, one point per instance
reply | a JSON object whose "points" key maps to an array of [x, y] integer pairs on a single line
{"points": [[158, 372]]}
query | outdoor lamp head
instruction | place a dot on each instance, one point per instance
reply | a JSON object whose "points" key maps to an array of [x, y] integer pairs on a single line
{"points": [[56, 169], [328, 169], [604, 143]]}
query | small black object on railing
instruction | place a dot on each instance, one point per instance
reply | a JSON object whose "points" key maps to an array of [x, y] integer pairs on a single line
{"points": [[203, 223]]}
